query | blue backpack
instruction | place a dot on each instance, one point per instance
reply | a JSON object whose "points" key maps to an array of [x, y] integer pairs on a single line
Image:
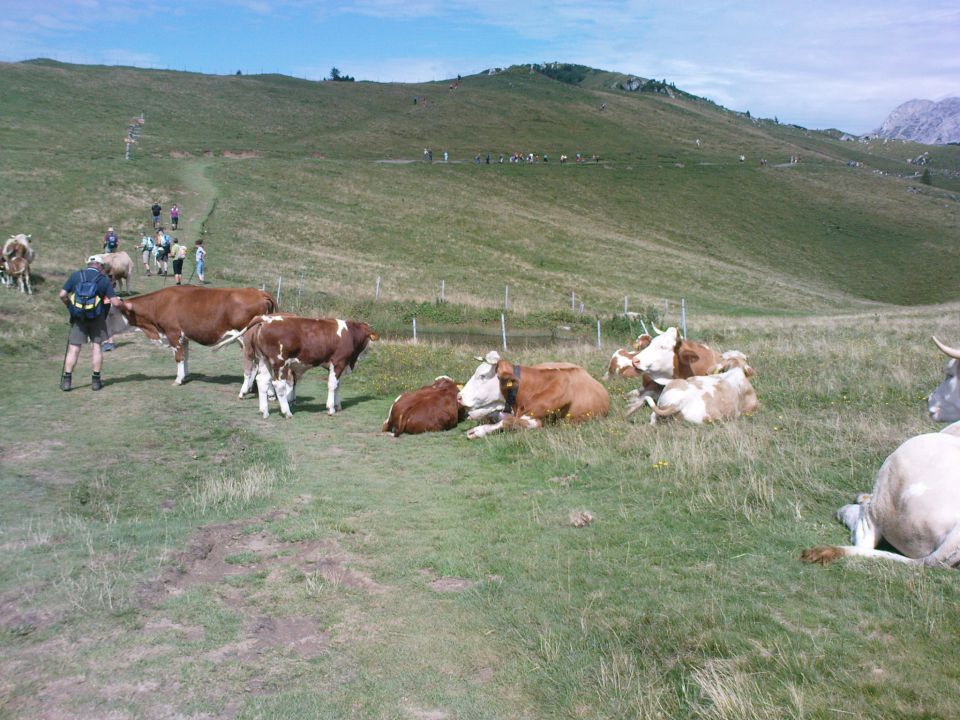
{"points": [[85, 301]]}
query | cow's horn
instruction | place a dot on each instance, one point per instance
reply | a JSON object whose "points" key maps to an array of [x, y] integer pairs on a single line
{"points": [[657, 330], [946, 349]]}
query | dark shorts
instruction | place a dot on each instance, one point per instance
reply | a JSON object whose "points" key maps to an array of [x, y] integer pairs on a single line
{"points": [[178, 267], [163, 254], [94, 330]]}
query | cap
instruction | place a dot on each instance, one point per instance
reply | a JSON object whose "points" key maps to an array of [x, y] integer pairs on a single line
{"points": [[109, 229], [95, 259]]}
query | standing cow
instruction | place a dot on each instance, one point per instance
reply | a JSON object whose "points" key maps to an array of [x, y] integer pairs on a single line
{"points": [[520, 396], [119, 268], [286, 346], [175, 315]]}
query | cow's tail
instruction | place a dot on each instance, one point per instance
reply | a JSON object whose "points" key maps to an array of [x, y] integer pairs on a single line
{"points": [[271, 303], [236, 338], [665, 412], [823, 554]]}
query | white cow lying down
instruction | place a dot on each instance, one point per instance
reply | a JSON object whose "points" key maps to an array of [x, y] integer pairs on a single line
{"points": [[914, 506], [725, 395]]}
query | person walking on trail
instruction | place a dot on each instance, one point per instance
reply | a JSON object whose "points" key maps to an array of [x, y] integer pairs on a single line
{"points": [[155, 211], [178, 252], [111, 241], [146, 249], [174, 217], [201, 261], [86, 293], [163, 251]]}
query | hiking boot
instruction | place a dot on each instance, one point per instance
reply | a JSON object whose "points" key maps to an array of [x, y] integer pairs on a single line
{"points": [[96, 383], [108, 346], [65, 383]]}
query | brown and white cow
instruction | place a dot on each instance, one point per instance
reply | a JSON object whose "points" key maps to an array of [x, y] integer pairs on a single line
{"points": [[286, 346], [943, 404], [19, 246], [521, 396], [17, 272], [669, 357], [723, 395], [914, 506], [119, 268], [621, 362], [175, 315], [431, 408]]}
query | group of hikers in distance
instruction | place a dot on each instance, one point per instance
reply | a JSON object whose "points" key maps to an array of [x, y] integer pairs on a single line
{"points": [[161, 247]]}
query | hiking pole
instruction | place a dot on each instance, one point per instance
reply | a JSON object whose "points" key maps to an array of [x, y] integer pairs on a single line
{"points": [[189, 279], [66, 350]]}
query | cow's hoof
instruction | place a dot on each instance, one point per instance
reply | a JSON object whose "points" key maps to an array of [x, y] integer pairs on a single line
{"points": [[288, 416], [265, 415]]}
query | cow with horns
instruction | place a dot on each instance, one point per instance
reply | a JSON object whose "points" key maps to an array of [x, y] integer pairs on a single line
{"points": [[943, 404], [520, 396]]}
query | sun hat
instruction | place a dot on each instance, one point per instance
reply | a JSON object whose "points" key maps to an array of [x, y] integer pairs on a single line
{"points": [[95, 259]]}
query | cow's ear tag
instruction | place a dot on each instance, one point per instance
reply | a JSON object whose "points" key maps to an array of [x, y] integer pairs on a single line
{"points": [[459, 386], [509, 383]]}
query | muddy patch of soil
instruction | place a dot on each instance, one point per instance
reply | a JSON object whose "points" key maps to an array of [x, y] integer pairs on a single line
{"points": [[18, 621], [218, 552], [179, 154], [241, 154]]}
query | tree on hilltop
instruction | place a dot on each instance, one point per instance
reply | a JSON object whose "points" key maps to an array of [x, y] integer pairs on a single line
{"points": [[337, 77]]}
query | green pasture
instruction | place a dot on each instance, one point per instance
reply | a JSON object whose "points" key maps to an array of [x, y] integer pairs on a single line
{"points": [[433, 576], [169, 553]]}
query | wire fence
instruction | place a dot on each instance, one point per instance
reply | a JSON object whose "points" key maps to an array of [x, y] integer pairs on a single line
{"points": [[672, 310]]}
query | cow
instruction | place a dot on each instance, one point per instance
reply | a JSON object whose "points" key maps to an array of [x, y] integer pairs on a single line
{"points": [[19, 246], [669, 357], [520, 396], [17, 271], [621, 362], [175, 315], [914, 506], [119, 268], [723, 395], [943, 404], [286, 346], [431, 408]]}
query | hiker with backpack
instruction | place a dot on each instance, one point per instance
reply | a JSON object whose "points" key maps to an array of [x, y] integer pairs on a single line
{"points": [[175, 217], [111, 241], [146, 250], [163, 251], [155, 210], [87, 293]]}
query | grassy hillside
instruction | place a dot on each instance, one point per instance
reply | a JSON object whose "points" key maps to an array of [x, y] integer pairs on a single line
{"points": [[167, 553], [294, 169]]}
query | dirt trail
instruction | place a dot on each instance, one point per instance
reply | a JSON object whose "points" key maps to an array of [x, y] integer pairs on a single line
{"points": [[194, 216]]}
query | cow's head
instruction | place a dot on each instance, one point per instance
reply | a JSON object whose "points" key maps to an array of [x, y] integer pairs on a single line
{"points": [[732, 359], [117, 322], [657, 359], [943, 404], [642, 341], [481, 396]]}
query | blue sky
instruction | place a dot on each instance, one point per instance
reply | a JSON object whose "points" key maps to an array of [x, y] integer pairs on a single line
{"points": [[818, 63]]}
